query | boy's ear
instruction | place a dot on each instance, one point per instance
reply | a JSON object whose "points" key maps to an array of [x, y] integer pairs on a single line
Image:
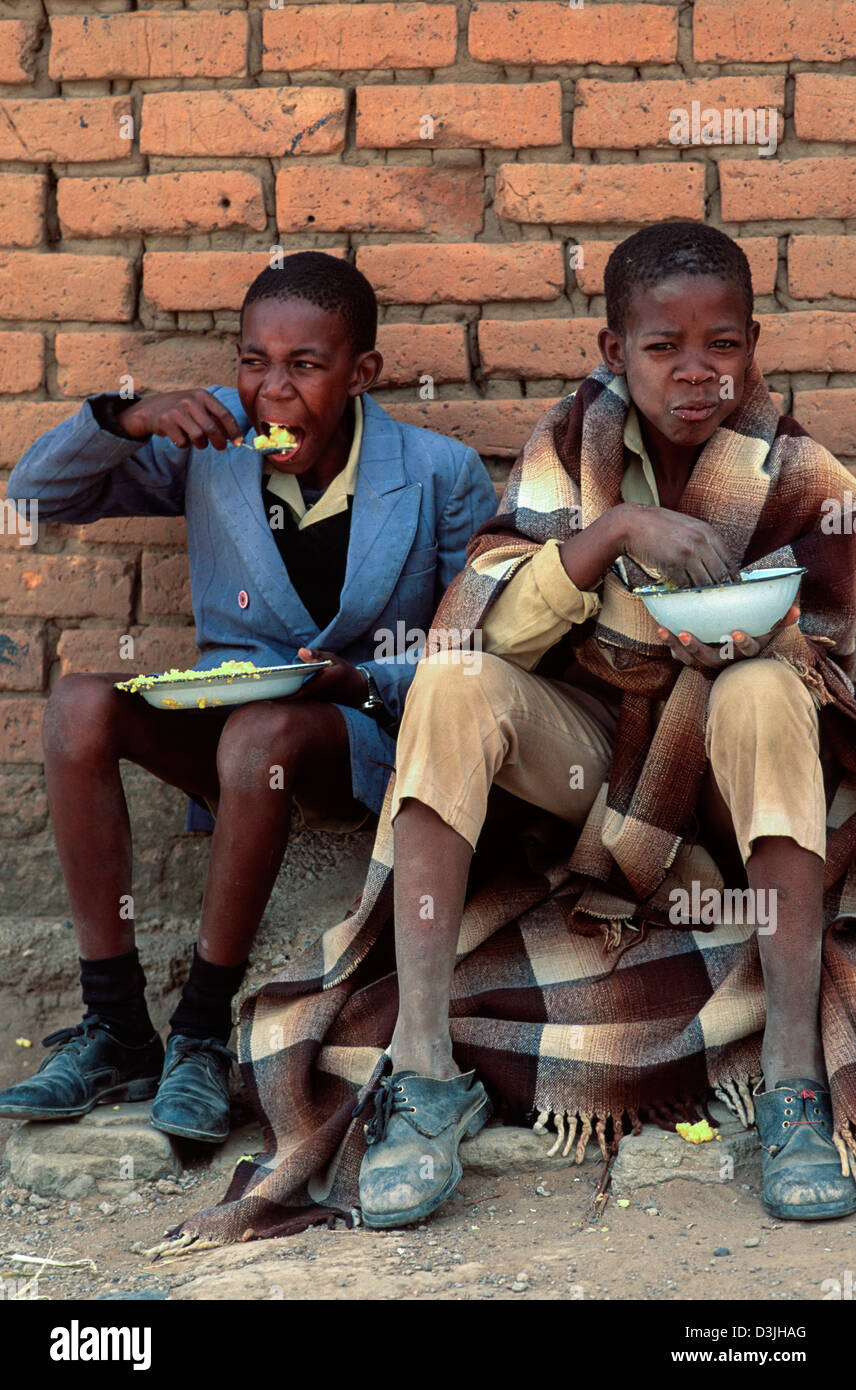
{"points": [[752, 335], [367, 368], [612, 351]]}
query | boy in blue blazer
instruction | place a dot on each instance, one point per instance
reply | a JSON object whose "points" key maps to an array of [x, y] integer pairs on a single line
{"points": [[335, 550]]}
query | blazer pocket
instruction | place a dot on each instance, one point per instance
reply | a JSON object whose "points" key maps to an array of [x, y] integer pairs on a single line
{"points": [[420, 561]]}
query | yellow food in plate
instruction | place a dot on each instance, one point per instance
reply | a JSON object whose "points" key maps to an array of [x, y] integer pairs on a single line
{"points": [[278, 435], [228, 669]]}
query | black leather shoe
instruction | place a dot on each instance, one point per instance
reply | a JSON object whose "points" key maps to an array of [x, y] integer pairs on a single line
{"points": [[87, 1067], [800, 1164], [411, 1165], [193, 1095]]}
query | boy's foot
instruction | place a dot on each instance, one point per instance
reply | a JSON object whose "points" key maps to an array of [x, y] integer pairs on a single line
{"points": [[800, 1164], [193, 1095], [87, 1067], [411, 1166]]}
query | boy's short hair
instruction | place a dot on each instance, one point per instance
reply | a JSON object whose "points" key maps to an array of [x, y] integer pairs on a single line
{"points": [[672, 248], [328, 282]]}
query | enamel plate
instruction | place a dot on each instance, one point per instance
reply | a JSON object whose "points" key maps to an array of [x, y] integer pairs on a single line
{"points": [[265, 683]]}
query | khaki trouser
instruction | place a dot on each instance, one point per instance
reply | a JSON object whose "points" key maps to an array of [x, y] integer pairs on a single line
{"points": [[550, 743]]}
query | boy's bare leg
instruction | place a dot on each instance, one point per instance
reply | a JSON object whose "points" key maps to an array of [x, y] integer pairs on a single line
{"points": [[432, 863], [89, 727], [302, 748], [790, 956]]}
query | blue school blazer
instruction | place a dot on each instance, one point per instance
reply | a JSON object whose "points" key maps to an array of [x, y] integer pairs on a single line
{"points": [[419, 497]]}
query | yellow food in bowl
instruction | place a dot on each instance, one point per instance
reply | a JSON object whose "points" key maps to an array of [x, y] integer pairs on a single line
{"points": [[278, 435]]}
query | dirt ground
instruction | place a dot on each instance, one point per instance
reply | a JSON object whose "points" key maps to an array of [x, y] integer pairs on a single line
{"points": [[536, 1237]]}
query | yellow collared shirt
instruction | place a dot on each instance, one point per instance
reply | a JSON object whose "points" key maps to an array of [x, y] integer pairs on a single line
{"points": [[335, 496], [541, 602]]}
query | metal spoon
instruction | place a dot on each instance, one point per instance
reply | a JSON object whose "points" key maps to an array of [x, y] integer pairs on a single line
{"points": [[267, 449]]}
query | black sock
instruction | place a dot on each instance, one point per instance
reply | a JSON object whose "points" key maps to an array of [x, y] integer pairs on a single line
{"points": [[205, 1007], [114, 989]]}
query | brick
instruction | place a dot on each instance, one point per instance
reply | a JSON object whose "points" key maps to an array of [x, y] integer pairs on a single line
{"points": [[825, 107], [258, 123], [165, 203], [502, 116], [190, 280], [336, 38], [166, 584], [22, 659], [790, 189], [461, 274], [19, 42], [411, 351], [816, 340], [631, 115], [22, 209], [550, 31], [497, 429], [64, 128], [21, 422], [134, 530], [213, 44], [66, 286], [774, 31], [99, 649], [633, 193], [65, 586], [90, 362], [22, 361], [342, 198], [761, 252], [819, 266], [538, 348], [21, 730], [829, 416]]}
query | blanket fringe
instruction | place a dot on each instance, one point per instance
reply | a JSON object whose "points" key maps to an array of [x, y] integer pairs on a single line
{"points": [[738, 1097], [566, 1132], [846, 1146], [811, 679]]}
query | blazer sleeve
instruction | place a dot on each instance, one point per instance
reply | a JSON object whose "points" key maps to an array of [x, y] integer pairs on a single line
{"points": [[79, 471]]}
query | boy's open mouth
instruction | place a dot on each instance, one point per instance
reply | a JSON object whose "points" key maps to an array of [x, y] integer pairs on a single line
{"points": [[273, 430]]}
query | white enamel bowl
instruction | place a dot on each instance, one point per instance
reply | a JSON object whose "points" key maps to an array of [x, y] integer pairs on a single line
{"points": [[752, 605], [267, 683]]}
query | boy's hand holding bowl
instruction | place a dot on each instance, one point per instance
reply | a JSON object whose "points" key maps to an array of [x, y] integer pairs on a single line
{"points": [[704, 589]]}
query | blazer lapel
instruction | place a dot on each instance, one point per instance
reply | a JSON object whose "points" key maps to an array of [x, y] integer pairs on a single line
{"points": [[266, 570], [383, 525]]}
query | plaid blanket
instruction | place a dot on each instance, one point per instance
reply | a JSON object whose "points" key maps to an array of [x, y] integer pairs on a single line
{"points": [[560, 1024]]}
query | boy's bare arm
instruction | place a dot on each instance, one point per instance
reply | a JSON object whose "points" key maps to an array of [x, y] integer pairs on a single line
{"points": [[685, 549]]}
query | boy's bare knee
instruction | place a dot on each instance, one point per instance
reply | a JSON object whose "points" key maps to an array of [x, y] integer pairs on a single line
{"points": [[79, 716], [258, 739]]}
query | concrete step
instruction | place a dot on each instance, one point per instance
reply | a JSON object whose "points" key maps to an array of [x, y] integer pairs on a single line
{"points": [[114, 1147]]}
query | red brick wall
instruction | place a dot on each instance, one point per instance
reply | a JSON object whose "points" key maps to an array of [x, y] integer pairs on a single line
{"points": [[125, 247]]}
